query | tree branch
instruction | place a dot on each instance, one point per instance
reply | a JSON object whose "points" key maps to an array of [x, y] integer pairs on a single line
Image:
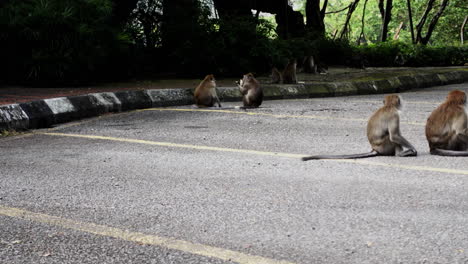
{"points": [[324, 9], [338, 11], [434, 21]]}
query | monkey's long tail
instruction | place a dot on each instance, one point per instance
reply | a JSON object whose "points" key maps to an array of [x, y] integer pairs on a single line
{"points": [[348, 156], [450, 153]]}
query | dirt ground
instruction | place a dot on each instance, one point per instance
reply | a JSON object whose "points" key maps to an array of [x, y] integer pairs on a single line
{"points": [[18, 94]]}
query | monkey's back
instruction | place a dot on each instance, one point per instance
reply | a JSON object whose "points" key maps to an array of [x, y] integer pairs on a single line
{"points": [[439, 125], [203, 96], [378, 130]]}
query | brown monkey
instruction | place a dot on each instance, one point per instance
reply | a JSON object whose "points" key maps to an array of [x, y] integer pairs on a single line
{"points": [[205, 93], [252, 92], [289, 73], [383, 132], [447, 127], [275, 75], [309, 65]]}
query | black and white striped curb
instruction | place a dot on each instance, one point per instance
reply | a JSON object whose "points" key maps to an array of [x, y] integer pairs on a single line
{"points": [[47, 112]]}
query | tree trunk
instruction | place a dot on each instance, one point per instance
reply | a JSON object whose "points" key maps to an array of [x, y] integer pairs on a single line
{"points": [[422, 21], [462, 29], [351, 9], [386, 14], [397, 32], [314, 17], [410, 18], [178, 18], [362, 36], [290, 23], [432, 24]]}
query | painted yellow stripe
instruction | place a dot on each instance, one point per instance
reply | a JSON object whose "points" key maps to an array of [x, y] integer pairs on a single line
{"points": [[262, 153], [175, 145], [267, 114], [408, 167], [185, 246], [347, 100]]}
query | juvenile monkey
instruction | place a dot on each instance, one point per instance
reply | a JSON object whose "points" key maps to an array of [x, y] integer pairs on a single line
{"points": [[383, 133], [275, 75], [447, 127], [205, 93], [252, 92], [289, 73]]}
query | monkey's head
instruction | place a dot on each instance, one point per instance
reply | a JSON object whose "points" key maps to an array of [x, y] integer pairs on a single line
{"points": [[210, 80], [393, 100], [456, 97], [247, 77]]}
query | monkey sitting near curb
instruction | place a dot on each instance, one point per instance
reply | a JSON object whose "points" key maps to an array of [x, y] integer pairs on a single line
{"points": [[288, 76], [383, 133], [447, 127], [251, 90], [205, 93]]}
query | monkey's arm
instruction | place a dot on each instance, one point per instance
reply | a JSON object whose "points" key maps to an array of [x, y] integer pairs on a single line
{"points": [[460, 126], [243, 89], [463, 136], [396, 137]]}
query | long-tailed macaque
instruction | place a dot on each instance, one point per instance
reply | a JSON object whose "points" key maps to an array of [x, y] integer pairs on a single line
{"points": [[309, 65], [447, 127], [289, 73], [383, 132], [275, 75], [205, 93], [287, 76], [251, 90]]}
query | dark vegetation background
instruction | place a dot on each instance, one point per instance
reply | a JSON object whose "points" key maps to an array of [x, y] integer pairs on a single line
{"points": [[75, 42]]}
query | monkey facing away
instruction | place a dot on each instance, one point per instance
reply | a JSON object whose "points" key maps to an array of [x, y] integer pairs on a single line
{"points": [[205, 93], [383, 133], [289, 73], [251, 90], [447, 127], [287, 76]]}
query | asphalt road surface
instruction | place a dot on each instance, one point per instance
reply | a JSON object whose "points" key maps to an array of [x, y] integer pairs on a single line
{"points": [[185, 185]]}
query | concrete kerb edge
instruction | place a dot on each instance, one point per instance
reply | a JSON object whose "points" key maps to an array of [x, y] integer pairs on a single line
{"points": [[47, 112]]}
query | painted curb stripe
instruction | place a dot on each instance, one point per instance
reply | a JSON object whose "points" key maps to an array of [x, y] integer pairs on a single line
{"points": [[181, 245], [262, 153], [266, 114]]}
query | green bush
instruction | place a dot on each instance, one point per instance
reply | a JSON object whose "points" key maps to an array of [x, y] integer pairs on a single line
{"points": [[437, 56], [59, 41], [384, 54]]}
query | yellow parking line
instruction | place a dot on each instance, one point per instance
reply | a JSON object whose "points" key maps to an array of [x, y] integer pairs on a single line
{"points": [[262, 153], [408, 167], [267, 114], [336, 99], [175, 145], [181, 245]]}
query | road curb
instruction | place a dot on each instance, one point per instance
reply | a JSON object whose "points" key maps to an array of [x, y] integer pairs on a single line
{"points": [[48, 112]]}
